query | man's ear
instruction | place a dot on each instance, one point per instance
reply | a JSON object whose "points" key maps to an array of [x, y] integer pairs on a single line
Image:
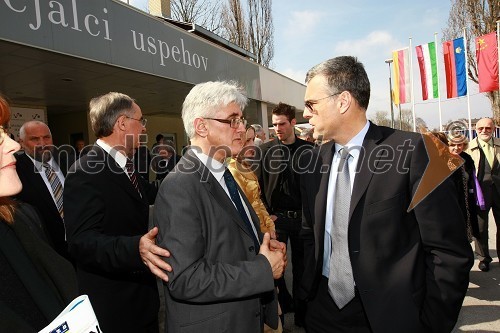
{"points": [[293, 122], [200, 127], [120, 123], [345, 100]]}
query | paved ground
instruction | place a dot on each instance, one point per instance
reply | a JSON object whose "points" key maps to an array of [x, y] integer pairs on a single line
{"points": [[481, 309]]}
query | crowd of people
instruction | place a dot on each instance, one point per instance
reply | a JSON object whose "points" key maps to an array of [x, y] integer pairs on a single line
{"points": [[226, 212]]}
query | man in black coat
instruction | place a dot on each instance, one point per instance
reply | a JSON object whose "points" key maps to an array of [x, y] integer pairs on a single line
{"points": [[371, 263], [279, 180], [106, 203], [33, 167]]}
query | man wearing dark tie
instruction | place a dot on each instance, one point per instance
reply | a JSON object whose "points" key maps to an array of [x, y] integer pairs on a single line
{"points": [[223, 268], [371, 264], [42, 173], [106, 205]]}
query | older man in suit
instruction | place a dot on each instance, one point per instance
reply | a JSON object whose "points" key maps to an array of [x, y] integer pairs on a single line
{"points": [[372, 265], [223, 269], [485, 151], [106, 204], [42, 173]]}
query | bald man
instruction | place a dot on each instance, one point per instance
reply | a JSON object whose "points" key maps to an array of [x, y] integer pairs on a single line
{"points": [[42, 174], [485, 151]]}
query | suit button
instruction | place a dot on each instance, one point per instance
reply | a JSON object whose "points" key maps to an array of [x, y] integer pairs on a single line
{"points": [[251, 249]]}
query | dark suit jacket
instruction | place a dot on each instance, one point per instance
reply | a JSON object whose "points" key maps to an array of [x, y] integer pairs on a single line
{"points": [[411, 268], [36, 193], [48, 278], [271, 158], [218, 283], [105, 218]]}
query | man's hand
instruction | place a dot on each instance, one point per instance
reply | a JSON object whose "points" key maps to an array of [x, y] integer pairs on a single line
{"points": [[275, 245], [151, 255], [276, 258]]}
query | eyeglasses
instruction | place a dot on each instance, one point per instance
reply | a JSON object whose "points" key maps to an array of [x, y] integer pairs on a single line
{"points": [[486, 129], [310, 104], [234, 122], [143, 120], [3, 134]]}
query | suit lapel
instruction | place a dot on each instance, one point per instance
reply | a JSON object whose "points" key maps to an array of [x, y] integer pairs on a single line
{"points": [[116, 174], [220, 196], [326, 155], [366, 159]]}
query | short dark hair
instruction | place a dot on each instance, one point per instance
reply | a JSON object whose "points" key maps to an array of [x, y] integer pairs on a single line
{"points": [[344, 73], [283, 109], [159, 137]]}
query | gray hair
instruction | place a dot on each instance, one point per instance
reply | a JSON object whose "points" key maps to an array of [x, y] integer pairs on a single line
{"points": [[344, 73], [105, 110], [205, 99], [22, 130], [258, 128]]}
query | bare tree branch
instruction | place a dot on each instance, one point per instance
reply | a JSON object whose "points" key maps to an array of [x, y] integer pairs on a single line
{"points": [[477, 17]]}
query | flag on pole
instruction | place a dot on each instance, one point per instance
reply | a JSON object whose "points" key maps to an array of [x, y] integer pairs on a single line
{"points": [[454, 67], [401, 68], [487, 62], [427, 62]]}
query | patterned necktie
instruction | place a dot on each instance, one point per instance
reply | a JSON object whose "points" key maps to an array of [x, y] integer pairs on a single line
{"points": [[340, 278], [235, 197], [57, 188], [132, 175]]}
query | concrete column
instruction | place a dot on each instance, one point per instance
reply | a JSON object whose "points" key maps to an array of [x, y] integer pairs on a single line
{"points": [[159, 8], [263, 117]]}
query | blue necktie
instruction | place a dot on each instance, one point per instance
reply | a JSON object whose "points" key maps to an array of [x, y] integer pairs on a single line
{"points": [[235, 197]]}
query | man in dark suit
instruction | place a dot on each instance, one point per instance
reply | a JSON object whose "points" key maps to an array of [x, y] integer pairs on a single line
{"points": [[106, 204], [223, 269], [42, 171], [485, 151], [371, 264], [279, 181]]}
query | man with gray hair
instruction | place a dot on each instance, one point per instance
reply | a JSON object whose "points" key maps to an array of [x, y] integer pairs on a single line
{"points": [[106, 204], [223, 268], [260, 135], [42, 174]]}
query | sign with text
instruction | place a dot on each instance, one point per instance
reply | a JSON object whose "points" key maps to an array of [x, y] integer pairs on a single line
{"points": [[109, 32]]}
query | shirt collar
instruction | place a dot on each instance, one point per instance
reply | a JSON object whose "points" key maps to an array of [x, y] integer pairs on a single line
{"points": [[354, 145], [39, 165], [216, 168], [484, 143], [115, 154]]}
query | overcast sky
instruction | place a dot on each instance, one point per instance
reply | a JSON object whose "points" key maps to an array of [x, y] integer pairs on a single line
{"points": [[308, 32]]}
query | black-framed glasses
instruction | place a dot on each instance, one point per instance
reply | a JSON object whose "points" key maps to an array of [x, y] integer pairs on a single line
{"points": [[3, 134], [233, 122], [142, 120], [310, 103]]}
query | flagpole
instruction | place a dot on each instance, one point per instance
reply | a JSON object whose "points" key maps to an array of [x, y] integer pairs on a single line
{"points": [[439, 91], [467, 84], [412, 92]]}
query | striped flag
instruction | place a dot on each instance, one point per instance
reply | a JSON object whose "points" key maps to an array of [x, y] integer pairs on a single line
{"points": [[401, 68], [454, 67], [487, 62], [427, 62]]}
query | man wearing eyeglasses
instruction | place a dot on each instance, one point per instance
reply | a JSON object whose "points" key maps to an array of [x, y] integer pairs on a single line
{"points": [[106, 206], [485, 151], [223, 268], [371, 264]]}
